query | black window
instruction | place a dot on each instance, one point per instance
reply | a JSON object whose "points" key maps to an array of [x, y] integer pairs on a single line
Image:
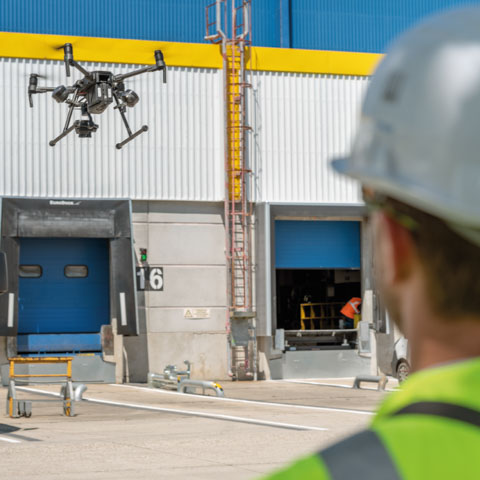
{"points": [[76, 271], [30, 271]]}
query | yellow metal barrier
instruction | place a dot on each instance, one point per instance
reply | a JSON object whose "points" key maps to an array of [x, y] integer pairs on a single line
{"points": [[66, 379], [326, 314]]}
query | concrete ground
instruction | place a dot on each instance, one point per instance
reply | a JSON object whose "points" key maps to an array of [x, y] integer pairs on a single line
{"points": [[133, 432]]}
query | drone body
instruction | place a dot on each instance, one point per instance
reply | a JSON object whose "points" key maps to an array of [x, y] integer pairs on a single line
{"points": [[93, 94]]}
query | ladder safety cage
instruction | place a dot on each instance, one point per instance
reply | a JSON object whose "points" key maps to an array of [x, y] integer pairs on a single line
{"points": [[235, 39]]}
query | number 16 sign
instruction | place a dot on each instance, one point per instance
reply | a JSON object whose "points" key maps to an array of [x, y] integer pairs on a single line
{"points": [[150, 278]]}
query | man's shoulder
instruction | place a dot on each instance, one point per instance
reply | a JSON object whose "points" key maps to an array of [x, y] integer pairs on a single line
{"points": [[308, 467], [363, 453]]}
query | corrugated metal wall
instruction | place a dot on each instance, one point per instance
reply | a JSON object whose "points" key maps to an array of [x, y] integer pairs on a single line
{"points": [[301, 121], [180, 157], [351, 25], [358, 25], [165, 20]]}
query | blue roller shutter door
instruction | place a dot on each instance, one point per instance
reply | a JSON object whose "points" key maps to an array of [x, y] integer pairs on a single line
{"points": [[71, 296], [317, 244]]}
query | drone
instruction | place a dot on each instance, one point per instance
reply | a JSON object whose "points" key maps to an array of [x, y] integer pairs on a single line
{"points": [[93, 94]]}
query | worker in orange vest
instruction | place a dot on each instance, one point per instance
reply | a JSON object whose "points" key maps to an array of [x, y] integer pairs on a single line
{"points": [[349, 310]]}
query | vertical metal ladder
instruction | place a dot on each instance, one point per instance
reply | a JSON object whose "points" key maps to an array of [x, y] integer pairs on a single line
{"points": [[238, 209]]}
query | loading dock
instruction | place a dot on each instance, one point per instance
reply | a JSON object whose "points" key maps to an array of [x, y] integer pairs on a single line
{"points": [[71, 274], [314, 260], [63, 295]]}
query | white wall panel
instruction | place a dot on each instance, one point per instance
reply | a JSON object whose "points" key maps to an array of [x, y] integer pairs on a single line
{"points": [[179, 158], [301, 121]]}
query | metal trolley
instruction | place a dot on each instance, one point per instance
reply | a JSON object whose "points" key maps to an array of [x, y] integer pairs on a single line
{"points": [[22, 407]]}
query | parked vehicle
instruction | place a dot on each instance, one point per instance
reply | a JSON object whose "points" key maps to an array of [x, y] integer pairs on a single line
{"points": [[393, 352], [400, 359]]}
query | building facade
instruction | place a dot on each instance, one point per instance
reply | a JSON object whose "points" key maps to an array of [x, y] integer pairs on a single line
{"points": [[118, 256]]}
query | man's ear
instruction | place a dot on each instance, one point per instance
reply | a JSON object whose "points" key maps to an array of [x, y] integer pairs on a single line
{"points": [[394, 244]]}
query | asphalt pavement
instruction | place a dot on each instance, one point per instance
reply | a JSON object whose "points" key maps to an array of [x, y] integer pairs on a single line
{"points": [[136, 432]]}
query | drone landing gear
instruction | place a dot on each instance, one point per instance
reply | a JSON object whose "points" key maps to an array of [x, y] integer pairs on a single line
{"points": [[53, 142], [132, 136]]}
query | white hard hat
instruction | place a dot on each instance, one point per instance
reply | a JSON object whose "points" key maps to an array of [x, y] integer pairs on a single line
{"points": [[419, 134]]}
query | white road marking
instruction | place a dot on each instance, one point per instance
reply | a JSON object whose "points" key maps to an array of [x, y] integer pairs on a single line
{"points": [[254, 402], [215, 416], [9, 440], [305, 382]]}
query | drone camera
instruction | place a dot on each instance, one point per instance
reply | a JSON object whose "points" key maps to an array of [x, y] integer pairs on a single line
{"points": [[84, 128]]}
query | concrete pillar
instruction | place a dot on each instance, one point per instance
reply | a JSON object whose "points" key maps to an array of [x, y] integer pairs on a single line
{"points": [[117, 357]]}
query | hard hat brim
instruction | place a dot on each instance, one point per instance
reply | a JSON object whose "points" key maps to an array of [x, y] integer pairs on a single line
{"points": [[464, 223], [340, 165]]}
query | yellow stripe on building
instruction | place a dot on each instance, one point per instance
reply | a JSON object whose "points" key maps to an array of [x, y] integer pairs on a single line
{"points": [[313, 61], [119, 50], [111, 50]]}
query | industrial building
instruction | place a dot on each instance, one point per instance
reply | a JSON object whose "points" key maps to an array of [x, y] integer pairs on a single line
{"points": [[220, 236]]}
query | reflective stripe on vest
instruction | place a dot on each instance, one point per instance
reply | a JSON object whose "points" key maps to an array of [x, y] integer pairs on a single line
{"points": [[355, 305], [442, 409], [364, 457]]}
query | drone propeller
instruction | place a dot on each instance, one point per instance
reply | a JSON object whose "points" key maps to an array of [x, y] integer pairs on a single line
{"points": [[68, 54], [68, 57], [32, 87]]}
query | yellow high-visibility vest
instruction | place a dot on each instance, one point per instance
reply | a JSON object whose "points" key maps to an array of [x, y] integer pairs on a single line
{"points": [[430, 429]]}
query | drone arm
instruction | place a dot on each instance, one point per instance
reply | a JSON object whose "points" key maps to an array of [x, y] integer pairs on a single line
{"points": [[120, 78], [38, 90], [45, 89], [153, 68], [159, 65], [75, 64], [33, 88]]}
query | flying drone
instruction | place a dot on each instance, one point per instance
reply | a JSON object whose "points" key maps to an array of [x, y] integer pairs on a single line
{"points": [[93, 94]]}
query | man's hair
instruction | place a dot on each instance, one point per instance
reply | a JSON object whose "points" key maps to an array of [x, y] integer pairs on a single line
{"points": [[451, 263]]}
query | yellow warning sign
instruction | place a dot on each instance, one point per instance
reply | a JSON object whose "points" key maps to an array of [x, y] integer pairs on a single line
{"points": [[196, 313]]}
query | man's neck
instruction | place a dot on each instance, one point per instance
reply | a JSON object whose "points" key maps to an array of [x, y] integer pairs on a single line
{"points": [[450, 340]]}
